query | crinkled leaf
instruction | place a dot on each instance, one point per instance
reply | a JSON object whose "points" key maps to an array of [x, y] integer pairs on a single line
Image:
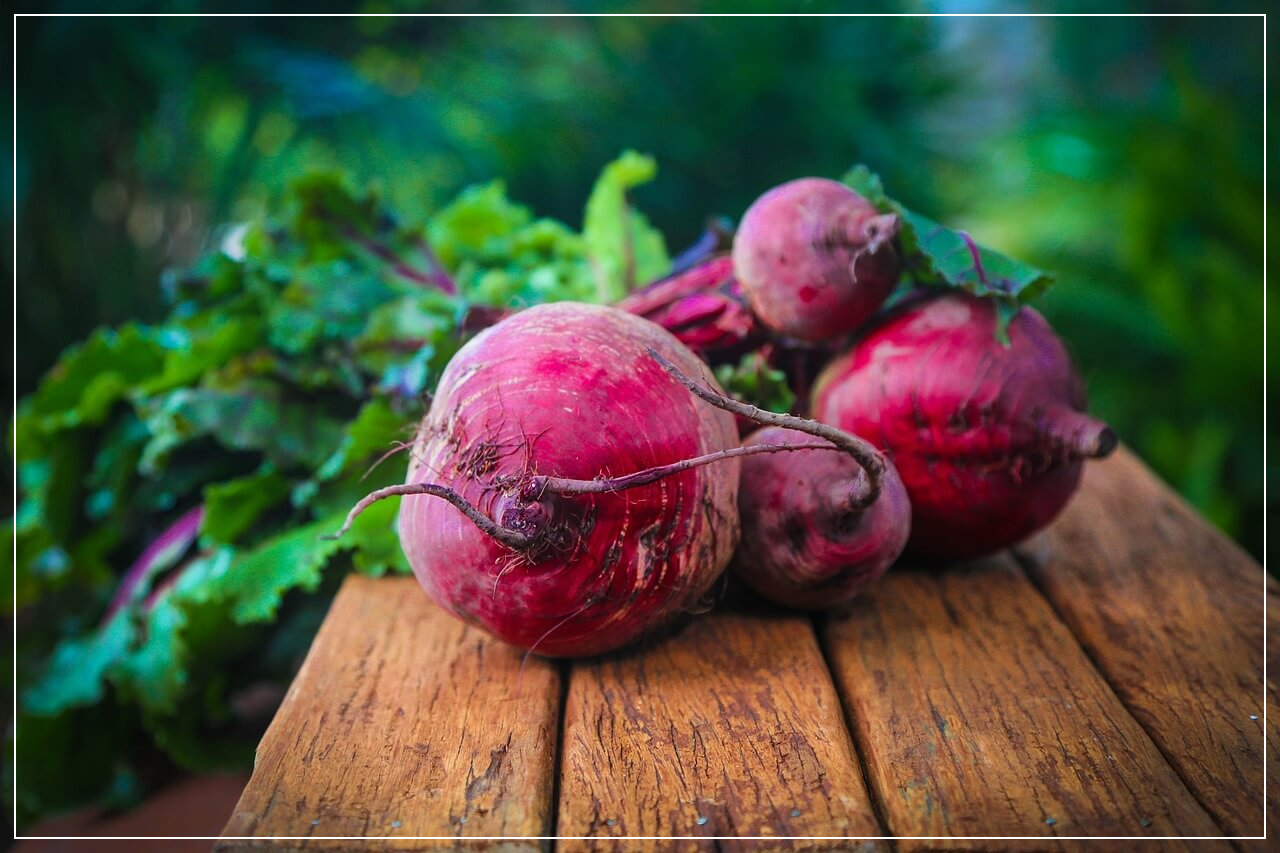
{"points": [[233, 507], [950, 257], [867, 184], [502, 256], [194, 349], [252, 417], [329, 303], [333, 221], [476, 225], [419, 330], [408, 321], [77, 671], [88, 380], [263, 378], [256, 581], [327, 212], [625, 249]]}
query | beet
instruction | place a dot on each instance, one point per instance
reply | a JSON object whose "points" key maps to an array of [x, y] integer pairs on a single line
{"points": [[815, 259], [561, 491], [704, 307], [569, 390], [988, 439], [807, 539]]}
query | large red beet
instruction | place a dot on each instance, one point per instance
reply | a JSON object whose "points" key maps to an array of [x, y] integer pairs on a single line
{"points": [[988, 439], [529, 419]]}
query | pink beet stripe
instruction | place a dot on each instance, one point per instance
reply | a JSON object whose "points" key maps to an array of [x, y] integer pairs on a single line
{"points": [[163, 552]]}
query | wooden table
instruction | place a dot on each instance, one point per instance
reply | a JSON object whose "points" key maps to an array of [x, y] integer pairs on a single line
{"points": [[1103, 680]]}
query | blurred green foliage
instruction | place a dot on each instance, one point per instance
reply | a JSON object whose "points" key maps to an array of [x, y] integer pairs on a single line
{"points": [[1123, 154]]}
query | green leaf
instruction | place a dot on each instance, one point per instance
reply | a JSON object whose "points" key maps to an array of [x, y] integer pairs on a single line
{"points": [[88, 380], [476, 225], [77, 672], [232, 508], [625, 250], [114, 470], [752, 380], [374, 432], [324, 304], [156, 670], [867, 184], [327, 211], [417, 331], [375, 540], [254, 416], [255, 581], [200, 345], [940, 257], [283, 370]]}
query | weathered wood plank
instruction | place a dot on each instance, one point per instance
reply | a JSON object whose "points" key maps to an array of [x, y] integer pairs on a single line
{"points": [[731, 728], [404, 722], [1273, 709], [979, 714], [1171, 612]]}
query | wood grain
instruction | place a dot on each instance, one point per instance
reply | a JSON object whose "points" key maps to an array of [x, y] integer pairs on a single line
{"points": [[403, 722], [1171, 612], [1273, 709], [979, 714], [731, 728]]}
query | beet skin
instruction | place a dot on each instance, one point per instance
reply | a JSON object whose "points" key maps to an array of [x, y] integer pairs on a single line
{"points": [[806, 541], [988, 439], [568, 391], [815, 259]]}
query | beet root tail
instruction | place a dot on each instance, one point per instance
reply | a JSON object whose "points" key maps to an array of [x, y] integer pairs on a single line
{"points": [[1078, 434], [868, 458]]}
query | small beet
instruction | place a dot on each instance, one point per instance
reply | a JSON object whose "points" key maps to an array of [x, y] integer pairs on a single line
{"points": [[807, 539], [815, 259], [988, 439]]}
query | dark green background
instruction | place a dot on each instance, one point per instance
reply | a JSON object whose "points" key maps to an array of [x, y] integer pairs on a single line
{"points": [[1126, 154]]}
